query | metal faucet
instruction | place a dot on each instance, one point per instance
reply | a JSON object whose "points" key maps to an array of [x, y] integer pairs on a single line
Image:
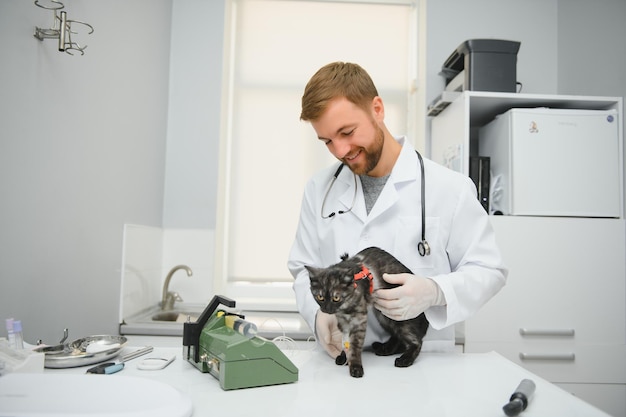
{"points": [[169, 297]]}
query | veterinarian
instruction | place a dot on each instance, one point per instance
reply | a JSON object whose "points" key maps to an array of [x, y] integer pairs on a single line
{"points": [[377, 201]]}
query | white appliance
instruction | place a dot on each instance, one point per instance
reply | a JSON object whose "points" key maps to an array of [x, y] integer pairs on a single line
{"points": [[554, 162]]}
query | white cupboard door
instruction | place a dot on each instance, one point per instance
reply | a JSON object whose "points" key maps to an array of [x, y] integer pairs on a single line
{"points": [[566, 282]]}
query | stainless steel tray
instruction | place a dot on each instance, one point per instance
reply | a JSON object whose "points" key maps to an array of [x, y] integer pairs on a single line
{"points": [[79, 352]]}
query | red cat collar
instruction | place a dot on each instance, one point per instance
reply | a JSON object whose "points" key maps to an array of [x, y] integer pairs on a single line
{"points": [[364, 273]]}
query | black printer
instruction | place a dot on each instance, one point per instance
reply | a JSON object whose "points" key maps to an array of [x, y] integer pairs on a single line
{"points": [[482, 65]]}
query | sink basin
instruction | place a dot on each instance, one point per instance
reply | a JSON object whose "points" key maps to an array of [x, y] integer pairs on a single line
{"points": [[156, 322], [176, 315]]}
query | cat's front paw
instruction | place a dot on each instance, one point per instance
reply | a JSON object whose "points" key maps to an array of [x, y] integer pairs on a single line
{"points": [[403, 362], [356, 371], [341, 359]]}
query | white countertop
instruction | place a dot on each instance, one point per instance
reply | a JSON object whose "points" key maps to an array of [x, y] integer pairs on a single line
{"points": [[450, 384]]}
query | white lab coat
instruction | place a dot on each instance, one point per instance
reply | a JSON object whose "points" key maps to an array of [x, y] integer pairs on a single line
{"points": [[465, 261]]}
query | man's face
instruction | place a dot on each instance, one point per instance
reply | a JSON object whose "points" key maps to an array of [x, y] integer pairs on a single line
{"points": [[352, 135]]}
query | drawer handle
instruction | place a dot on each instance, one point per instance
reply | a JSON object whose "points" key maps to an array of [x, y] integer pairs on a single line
{"points": [[547, 332], [547, 356]]}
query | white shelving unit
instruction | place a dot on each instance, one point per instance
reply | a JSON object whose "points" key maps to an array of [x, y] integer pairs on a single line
{"points": [[562, 314], [454, 133]]}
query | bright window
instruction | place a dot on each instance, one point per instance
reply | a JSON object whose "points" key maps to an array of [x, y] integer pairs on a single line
{"points": [[267, 154]]}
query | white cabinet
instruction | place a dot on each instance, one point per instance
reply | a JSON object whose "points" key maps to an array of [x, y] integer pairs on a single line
{"points": [[454, 131], [563, 273], [562, 313]]}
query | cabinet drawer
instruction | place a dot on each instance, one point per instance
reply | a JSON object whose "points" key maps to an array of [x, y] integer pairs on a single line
{"points": [[567, 363], [564, 274]]}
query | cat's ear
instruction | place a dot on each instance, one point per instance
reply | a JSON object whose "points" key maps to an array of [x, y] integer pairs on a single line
{"points": [[344, 256], [313, 271]]}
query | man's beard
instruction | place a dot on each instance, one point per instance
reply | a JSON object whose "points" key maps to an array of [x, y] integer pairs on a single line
{"points": [[372, 155]]}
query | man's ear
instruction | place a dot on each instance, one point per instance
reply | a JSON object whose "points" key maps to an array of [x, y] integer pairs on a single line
{"points": [[378, 109]]}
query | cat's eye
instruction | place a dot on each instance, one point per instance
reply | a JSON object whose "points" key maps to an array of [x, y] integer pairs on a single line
{"points": [[319, 297], [336, 298]]}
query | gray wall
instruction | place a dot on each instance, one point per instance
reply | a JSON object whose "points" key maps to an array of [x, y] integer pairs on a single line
{"points": [[592, 47], [568, 46], [82, 151], [194, 114], [127, 134], [531, 22]]}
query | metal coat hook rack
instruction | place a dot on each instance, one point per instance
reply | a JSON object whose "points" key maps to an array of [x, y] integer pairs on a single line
{"points": [[62, 28]]}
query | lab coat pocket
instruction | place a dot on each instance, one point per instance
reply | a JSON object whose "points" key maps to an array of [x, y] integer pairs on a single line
{"points": [[409, 234]]}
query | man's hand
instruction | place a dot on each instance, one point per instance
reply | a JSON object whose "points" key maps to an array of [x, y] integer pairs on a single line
{"points": [[414, 296], [328, 333]]}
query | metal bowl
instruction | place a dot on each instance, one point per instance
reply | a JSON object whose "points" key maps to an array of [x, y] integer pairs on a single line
{"points": [[54, 350], [79, 353]]}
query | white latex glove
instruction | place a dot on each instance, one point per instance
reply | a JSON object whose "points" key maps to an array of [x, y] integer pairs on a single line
{"points": [[414, 296], [328, 333]]}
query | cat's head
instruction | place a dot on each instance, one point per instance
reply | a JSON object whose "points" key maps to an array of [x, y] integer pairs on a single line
{"points": [[333, 287]]}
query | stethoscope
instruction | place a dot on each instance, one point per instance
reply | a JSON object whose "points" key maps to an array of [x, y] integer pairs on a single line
{"points": [[422, 247]]}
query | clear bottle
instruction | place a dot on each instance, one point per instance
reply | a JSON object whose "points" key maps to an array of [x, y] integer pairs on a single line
{"points": [[19, 336], [11, 335]]}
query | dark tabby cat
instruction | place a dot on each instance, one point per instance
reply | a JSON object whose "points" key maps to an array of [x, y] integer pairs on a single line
{"points": [[345, 290]]}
